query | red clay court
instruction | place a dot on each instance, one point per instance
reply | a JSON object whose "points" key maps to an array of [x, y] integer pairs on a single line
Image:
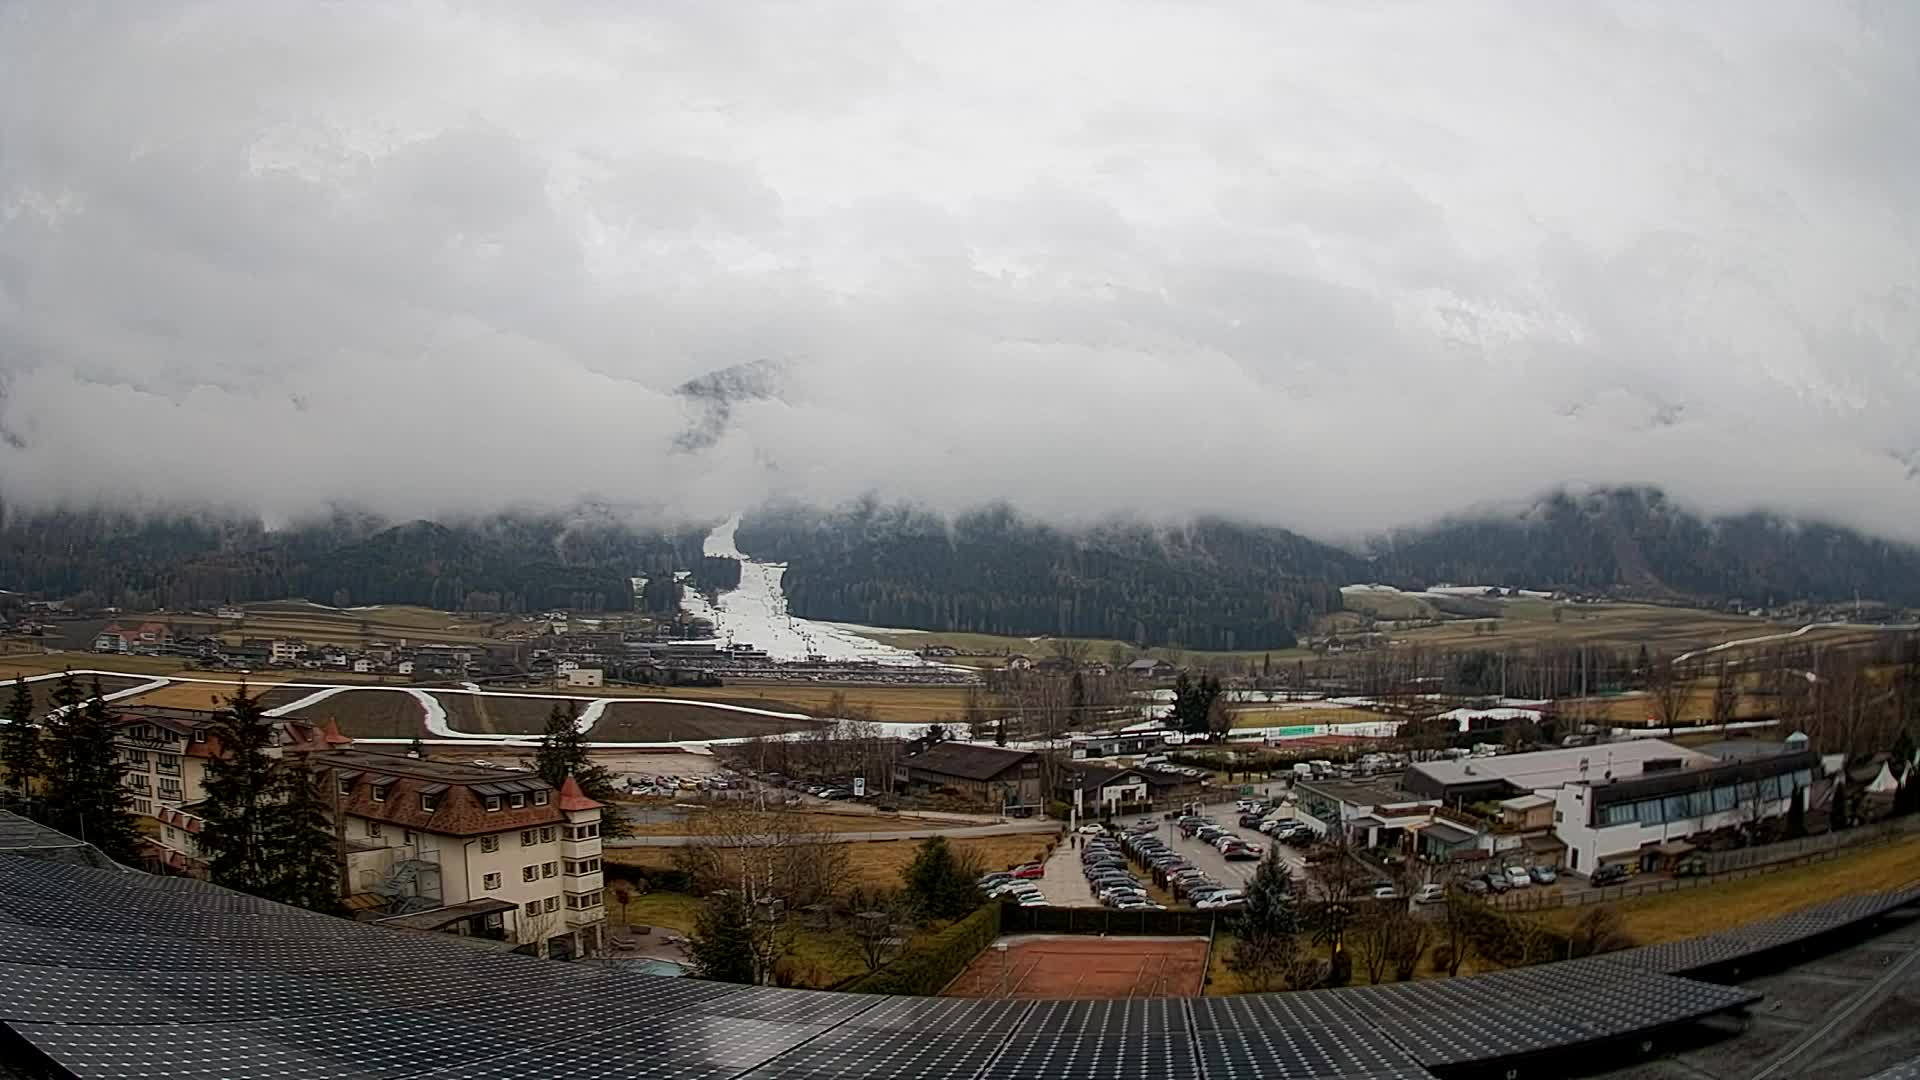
{"points": [[1077, 966]]}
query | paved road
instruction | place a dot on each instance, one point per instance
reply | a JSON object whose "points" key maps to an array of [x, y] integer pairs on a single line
{"points": [[1066, 883], [1011, 828]]}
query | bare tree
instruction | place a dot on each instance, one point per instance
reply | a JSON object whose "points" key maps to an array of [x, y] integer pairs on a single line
{"points": [[1371, 935], [876, 935], [1598, 930], [1726, 695], [1666, 691], [772, 856]]}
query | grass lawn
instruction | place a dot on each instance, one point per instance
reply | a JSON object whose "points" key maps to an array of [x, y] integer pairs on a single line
{"points": [[1258, 716], [826, 821], [1712, 908], [871, 864], [821, 958]]}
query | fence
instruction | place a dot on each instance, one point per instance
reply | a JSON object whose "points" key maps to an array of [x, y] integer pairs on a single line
{"points": [[1754, 861], [1015, 919]]}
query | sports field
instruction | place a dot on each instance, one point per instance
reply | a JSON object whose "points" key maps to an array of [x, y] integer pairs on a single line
{"points": [[1076, 966]]}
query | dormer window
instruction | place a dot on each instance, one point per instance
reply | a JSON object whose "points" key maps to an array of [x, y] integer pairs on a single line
{"points": [[517, 801], [200, 735], [493, 803], [539, 798], [429, 803]]}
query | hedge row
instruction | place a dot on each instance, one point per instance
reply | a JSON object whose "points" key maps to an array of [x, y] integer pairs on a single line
{"points": [[927, 969]]}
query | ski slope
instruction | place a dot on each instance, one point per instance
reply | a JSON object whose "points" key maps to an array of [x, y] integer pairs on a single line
{"points": [[756, 614]]}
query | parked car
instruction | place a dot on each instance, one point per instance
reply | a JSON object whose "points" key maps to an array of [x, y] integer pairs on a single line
{"points": [[1240, 853], [1222, 899], [1429, 893], [1609, 874], [1385, 892], [1496, 882], [1250, 821], [1030, 870], [1474, 887], [1543, 875], [1518, 877], [1091, 830], [992, 880]]}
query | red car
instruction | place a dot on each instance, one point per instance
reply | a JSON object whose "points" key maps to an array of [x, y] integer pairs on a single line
{"points": [[1030, 870]]}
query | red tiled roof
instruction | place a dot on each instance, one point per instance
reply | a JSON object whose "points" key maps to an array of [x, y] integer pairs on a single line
{"points": [[331, 734], [572, 798]]}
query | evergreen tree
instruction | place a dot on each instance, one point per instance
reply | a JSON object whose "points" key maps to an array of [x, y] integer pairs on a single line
{"points": [[1193, 703], [1000, 732], [941, 885], [1266, 952], [84, 797], [239, 811], [1076, 701], [300, 836], [20, 740], [563, 753], [1797, 814], [721, 945]]}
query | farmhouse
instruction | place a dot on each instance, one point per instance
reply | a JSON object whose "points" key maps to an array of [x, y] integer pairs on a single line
{"points": [[1005, 779], [1150, 667]]}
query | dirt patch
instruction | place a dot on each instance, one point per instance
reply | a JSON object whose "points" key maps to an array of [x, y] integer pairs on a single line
{"points": [[275, 697], [370, 714], [498, 715], [1073, 966], [673, 721], [197, 695]]}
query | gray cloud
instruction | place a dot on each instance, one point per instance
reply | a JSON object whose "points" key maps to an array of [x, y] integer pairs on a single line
{"points": [[1336, 266]]}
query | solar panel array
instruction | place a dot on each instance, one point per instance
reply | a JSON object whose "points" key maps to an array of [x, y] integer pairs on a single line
{"points": [[111, 973], [1757, 939]]}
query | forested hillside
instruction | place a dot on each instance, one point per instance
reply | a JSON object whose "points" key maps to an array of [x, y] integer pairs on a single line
{"points": [[499, 564], [1208, 585], [1637, 542]]}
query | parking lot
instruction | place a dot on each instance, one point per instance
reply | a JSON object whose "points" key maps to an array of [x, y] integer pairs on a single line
{"points": [[1065, 884]]}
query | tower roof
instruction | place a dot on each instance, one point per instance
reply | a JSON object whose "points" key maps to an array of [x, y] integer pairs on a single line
{"points": [[572, 798]]}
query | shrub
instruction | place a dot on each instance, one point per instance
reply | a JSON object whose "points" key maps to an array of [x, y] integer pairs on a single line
{"points": [[926, 969]]}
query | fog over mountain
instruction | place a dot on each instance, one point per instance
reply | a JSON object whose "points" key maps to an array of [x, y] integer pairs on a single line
{"points": [[1336, 266]]}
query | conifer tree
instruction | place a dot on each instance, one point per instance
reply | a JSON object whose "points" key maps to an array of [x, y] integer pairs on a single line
{"points": [[563, 753], [239, 809], [721, 945], [84, 798], [20, 749], [300, 836]]}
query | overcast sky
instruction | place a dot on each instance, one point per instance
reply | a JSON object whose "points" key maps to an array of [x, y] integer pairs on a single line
{"points": [[1339, 266]]}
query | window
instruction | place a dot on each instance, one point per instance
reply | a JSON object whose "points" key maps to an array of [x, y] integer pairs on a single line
{"points": [[527, 838], [142, 807], [170, 787], [533, 907], [430, 803], [529, 872], [379, 793], [548, 869], [583, 866], [346, 787], [169, 834], [1559, 816], [582, 832], [373, 828], [516, 801], [553, 903], [539, 798], [493, 803], [489, 844], [167, 764], [491, 881], [546, 835], [137, 757], [200, 735], [583, 901], [1723, 799]]}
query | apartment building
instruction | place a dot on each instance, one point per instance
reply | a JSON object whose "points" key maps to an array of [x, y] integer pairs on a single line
{"points": [[163, 757], [471, 850]]}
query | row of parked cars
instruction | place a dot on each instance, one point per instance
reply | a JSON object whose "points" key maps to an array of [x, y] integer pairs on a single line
{"points": [[1186, 881], [1111, 879], [1231, 844], [1512, 877], [1017, 884]]}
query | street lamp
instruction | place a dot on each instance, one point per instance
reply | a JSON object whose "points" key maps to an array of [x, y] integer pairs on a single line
{"points": [[1001, 948]]}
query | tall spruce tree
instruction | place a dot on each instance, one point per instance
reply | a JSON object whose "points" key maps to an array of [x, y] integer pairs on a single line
{"points": [[563, 753], [20, 760], [1193, 703], [83, 796], [1266, 954], [300, 836], [721, 945], [242, 796]]}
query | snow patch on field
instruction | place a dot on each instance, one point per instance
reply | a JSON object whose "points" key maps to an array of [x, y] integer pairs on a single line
{"points": [[756, 614]]}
